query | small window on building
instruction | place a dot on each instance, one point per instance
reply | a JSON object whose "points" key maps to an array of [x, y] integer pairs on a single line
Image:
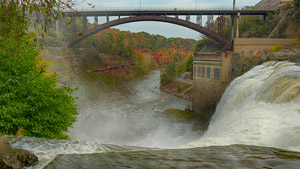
{"points": [[195, 70], [251, 53], [217, 73], [208, 72], [203, 72], [243, 53], [259, 53], [198, 73]]}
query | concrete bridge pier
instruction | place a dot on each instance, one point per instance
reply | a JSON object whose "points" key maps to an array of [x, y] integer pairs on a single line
{"points": [[73, 26], [84, 23], [199, 20], [59, 24], [96, 20], [232, 26], [237, 25], [233, 19], [107, 18], [188, 18]]}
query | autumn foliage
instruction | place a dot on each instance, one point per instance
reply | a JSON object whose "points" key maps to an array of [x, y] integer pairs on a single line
{"points": [[125, 46]]}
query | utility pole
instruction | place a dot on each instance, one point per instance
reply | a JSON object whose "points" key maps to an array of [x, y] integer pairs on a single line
{"points": [[233, 4], [140, 4], [196, 4]]}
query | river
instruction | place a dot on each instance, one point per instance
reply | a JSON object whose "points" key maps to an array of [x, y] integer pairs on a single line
{"points": [[258, 113]]}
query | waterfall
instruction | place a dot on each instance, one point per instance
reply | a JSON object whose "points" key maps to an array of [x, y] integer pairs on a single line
{"points": [[261, 107]]}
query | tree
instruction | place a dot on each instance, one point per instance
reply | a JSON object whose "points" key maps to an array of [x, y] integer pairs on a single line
{"points": [[297, 3], [189, 64], [30, 102]]}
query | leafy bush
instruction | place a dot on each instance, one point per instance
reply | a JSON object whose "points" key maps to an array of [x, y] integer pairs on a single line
{"points": [[30, 102], [276, 48], [167, 75], [189, 64]]}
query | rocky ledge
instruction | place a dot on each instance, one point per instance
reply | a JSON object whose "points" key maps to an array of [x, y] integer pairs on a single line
{"points": [[12, 158]]}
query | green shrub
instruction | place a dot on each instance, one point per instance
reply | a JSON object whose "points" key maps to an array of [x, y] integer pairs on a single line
{"points": [[30, 102], [167, 75]]}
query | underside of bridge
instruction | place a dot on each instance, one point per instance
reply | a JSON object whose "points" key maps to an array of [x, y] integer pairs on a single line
{"points": [[213, 35]]}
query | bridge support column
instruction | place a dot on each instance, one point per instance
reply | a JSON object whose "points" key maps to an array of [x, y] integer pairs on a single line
{"points": [[84, 23], [188, 18], [237, 25], [73, 26], [232, 26], [210, 21], [107, 18], [59, 24], [199, 20], [96, 20]]}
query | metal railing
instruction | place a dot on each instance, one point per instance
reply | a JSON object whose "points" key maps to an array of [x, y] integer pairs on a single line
{"points": [[166, 8]]}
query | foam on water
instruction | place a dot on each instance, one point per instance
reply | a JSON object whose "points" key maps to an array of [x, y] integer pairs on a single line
{"points": [[47, 149], [262, 107]]}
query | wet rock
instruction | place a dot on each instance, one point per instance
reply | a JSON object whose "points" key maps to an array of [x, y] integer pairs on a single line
{"points": [[11, 158]]}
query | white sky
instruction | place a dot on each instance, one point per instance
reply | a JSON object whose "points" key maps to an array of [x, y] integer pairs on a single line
{"points": [[165, 29]]}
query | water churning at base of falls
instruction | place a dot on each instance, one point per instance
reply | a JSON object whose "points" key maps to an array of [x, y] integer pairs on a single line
{"points": [[262, 107]]}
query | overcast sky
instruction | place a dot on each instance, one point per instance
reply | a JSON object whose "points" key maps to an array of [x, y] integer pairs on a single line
{"points": [[165, 29]]}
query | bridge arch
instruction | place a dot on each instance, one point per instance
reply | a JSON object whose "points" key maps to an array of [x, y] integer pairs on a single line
{"points": [[221, 40]]}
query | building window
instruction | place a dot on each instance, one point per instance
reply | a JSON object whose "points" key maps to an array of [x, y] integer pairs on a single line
{"points": [[195, 70], [243, 53], [208, 72], [199, 69], [251, 53], [217, 73], [259, 53], [203, 72]]}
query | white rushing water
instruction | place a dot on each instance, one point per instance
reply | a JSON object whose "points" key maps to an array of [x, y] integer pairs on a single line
{"points": [[262, 107]]}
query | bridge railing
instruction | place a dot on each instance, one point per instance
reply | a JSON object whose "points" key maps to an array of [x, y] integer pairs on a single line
{"points": [[164, 8]]}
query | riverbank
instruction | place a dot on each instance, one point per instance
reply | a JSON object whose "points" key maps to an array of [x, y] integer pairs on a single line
{"points": [[180, 86]]}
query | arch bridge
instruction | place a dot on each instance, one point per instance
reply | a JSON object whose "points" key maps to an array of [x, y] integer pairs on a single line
{"points": [[167, 15]]}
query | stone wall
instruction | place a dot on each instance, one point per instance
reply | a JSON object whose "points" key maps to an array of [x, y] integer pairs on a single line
{"points": [[206, 94], [208, 89], [252, 46], [249, 52]]}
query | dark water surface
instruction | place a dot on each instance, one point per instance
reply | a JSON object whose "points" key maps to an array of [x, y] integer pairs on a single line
{"points": [[234, 156]]}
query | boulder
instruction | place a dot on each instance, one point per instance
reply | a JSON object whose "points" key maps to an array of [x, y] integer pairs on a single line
{"points": [[11, 158]]}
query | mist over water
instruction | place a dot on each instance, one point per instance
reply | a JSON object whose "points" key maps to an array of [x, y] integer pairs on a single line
{"points": [[135, 118], [262, 107]]}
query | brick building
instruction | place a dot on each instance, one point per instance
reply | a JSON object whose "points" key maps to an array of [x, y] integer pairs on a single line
{"points": [[211, 76]]}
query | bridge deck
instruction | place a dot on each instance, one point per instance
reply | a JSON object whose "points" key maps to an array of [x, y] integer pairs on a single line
{"points": [[168, 12]]}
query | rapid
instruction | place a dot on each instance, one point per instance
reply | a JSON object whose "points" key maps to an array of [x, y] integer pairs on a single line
{"points": [[258, 113]]}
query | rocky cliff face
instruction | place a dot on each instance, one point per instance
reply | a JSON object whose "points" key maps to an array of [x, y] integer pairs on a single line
{"points": [[11, 158]]}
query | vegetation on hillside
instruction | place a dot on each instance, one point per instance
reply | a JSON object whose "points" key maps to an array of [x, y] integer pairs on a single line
{"points": [[127, 45], [250, 27], [122, 55], [297, 3], [175, 69], [30, 102]]}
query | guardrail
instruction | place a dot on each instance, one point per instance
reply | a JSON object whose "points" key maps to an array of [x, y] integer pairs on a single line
{"points": [[174, 8]]}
